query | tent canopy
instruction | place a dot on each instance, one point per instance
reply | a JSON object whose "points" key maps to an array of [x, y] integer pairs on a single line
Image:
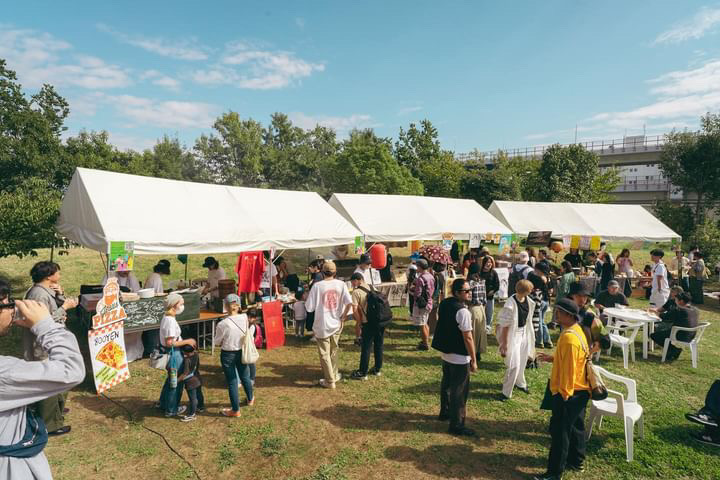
{"points": [[398, 218], [608, 221], [172, 217]]}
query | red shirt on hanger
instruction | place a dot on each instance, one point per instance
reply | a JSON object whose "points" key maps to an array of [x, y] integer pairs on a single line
{"points": [[249, 269]]}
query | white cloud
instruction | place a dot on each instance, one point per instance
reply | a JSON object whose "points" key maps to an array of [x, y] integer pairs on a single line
{"points": [[683, 82], [701, 23], [245, 66], [161, 80], [181, 50], [342, 125], [177, 114], [131, 142], [300, 22], [36, 58], [408, 110]]}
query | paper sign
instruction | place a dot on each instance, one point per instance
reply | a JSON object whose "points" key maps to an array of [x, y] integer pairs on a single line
{"points": [[567, 240], [108, 308], [273, 322], [447, 241], [121, 256], [584, 242], [595, 243], [359, 245], [475, 240], [504, 243], [415, 245], [575, 241], [108, 357], [504, 278]]}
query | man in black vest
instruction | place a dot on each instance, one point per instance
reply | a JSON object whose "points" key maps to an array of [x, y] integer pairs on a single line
{"points": [[453, 337]]}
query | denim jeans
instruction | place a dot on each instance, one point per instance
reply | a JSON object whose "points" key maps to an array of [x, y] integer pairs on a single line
{"points": [[170, 397], [197, 400], [542, 335], [236, 372], [489, 309], [371, 336]]}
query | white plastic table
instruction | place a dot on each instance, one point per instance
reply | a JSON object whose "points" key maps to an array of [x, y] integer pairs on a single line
{"points": [[633, 315]]}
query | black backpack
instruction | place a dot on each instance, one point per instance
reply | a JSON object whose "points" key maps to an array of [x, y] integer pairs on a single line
{"points": [[515, 277], [379, 313]]}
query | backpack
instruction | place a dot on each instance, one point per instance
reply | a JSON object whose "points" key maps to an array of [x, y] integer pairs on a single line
{"points": [[422, 300], [515, 277], [379, 313]]}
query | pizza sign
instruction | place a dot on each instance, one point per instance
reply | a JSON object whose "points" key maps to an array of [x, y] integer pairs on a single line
{"points": [[108, 357], [108, 308]]}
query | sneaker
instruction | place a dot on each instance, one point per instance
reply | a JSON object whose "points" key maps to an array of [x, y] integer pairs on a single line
{"points": [[180, 411], [60, 431], [463, 431], [229, 412], [707, 439], [200, 409], [525, 390], [423, 347], [375, 371], [575, 468], [313, 339], [358, 375], [702, 418], [188, 418], [324, 384], [550, 344]]}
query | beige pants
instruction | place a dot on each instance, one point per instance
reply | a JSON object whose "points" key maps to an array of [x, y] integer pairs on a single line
{"points": [[479, 332], [328, 350]]}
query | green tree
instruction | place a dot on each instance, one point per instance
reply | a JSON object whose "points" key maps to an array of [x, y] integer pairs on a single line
{"points": [[690, 161], [366, 165], [170, 159], [94, 150], [507, 179], [678, 217], [572, 174], [414, 146], [234, 155], [707, 238], [442, 176]]}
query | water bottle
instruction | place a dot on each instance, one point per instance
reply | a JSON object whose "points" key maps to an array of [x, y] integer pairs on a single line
{"points": [[173, 377]]}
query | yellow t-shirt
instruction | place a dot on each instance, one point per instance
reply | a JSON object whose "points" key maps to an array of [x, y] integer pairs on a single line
{"points": [[359, 298], [568, 372]]}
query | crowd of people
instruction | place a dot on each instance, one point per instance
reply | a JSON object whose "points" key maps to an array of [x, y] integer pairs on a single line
{"points": [[456, 326]]}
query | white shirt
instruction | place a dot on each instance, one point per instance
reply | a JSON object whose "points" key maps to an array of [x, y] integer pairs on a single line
{"points": [[230, 332], [169, 328], [464, 321], [130, 281], [367, 274], [155, 282], [299, 309], [328, 300], [659, 270], [268, 274], [214, 276]]}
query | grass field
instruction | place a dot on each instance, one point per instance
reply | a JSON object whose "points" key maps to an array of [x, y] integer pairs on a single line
{"points": [[382, 428]]}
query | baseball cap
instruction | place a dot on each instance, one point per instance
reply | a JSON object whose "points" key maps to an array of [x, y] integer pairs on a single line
{"points": [[577, 288], [329, 266], [233, 298], [209, 262], [613, 283], [422, 263], [365, 259], [568, 306]]}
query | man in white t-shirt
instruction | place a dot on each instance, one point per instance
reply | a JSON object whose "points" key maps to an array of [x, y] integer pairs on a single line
{"points": [[330, 300], [364, 269], [215, 274], [269, 283], [660, 287], [454, 338]]}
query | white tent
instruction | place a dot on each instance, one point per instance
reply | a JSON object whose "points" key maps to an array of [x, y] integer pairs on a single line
{"points": [[398, 218], [169, 216], [609, 221]]}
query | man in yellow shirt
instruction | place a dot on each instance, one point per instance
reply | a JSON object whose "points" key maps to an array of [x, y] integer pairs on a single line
{"points": [[570, 394]]}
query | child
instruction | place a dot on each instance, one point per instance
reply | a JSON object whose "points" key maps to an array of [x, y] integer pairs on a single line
{"points": [[190, 374], [299, 313], [254, 328]]}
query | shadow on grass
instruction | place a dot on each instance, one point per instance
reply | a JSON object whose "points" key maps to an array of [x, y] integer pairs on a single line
{"points": [[462, 461], [683, 435]]}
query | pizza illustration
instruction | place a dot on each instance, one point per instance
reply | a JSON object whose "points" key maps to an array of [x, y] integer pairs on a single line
{"points": [[112, 355]]}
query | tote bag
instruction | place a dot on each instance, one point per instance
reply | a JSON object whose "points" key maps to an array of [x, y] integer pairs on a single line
{"points": [[250, 354]]}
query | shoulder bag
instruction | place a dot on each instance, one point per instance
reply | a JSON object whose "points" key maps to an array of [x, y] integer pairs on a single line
{"points": [[597, 386]]}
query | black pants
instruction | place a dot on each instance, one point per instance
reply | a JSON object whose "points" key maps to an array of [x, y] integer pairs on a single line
{"points": [[712, 399], [371, 335], [196, 398], [696, 291], [454, 390], [151, 341], [659, 337], [567, 430]]}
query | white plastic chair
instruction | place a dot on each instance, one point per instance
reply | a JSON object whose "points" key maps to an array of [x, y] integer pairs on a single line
{"points": [[625, 342], [692, 344], [617, 405]]}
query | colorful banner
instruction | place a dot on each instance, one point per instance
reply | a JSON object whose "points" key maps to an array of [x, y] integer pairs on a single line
{"points": [[447, 241], [359, 245], [595, 242], [584, 242], [273, 322], [475, 240], [108, 357], [504, 243], [415, 245], [121, 256], [108, 308], [567, 241]]}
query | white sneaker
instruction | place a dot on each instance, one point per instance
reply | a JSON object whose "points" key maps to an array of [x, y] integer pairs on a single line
{"points": [[313, 339], [324, 384], [180, 411]]}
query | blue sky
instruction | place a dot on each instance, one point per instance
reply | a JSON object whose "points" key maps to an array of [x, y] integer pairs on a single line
{"points": [[488, 74]]}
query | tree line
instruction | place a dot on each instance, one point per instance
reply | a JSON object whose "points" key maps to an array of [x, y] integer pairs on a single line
{"points": [[37, 164]]}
